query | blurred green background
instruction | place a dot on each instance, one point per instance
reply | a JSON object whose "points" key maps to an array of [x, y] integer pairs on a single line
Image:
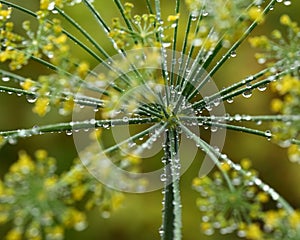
{"points": [[140, 216]]}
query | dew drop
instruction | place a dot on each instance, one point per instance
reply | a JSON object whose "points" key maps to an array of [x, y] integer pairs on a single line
{"points": [[261, 60], [262, 87], [237, 117], [268, 134], [230, 100], [163, 177], [259, 122], [166, 44], [247, 94], [69, 132], [287, 3], [5, 79], [213, 129], [12, 140], [197, 42], [31, 98], [204, 13], [125, 119], [51, 6], [233, 54], [35, 129]]}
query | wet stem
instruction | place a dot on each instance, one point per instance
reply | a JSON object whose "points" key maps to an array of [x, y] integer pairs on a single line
{"points": [[171, 228]]}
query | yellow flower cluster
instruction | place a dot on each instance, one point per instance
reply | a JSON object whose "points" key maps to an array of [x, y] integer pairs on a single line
{"points": [[19, 191], [228, 21], [236, 207], [239, 207], [276, 52]]}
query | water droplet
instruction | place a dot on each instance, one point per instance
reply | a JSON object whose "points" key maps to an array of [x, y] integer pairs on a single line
{"points": [[247, 93], [161, 231], [35, 130], [233, 54], [213, 128], [262, 87], [22, 133], [69, 132], [31, 98], [163, 177], [287, 3], [125, 119], [237, 117], [261, 60], [5, 79], [12, 140], [195, 15], [229, 100], [268, 134], [51, 6], [204, 13], [166, 44], [197, 42]]}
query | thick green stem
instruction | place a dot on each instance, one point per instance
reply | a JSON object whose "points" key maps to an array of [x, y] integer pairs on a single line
{"points": [[171, 229], [168, 210]]}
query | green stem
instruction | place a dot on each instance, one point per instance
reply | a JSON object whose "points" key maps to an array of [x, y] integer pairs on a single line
{"points": [[208, 150], [59, 127], [247, 118], [168, 206]]}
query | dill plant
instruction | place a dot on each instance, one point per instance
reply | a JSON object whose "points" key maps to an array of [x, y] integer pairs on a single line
{"points": [[156, 93]]}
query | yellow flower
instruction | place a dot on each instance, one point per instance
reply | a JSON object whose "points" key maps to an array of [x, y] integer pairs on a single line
{"points": [[276, 105], [78, 192], [262, 197], [173, 18], [271, 218], [287, 84], [197, 182], [254, 232], [14, 234], [225, 167], [44, 4], [82, 69], [50, 182], [246, 163], [41, 154], [41, 106], [294, 153], [56, 232], [117, 200], [68, 106], [260, 41], [23, 165], [285, 20], [294, 220], [256, 14], [27, 84]]}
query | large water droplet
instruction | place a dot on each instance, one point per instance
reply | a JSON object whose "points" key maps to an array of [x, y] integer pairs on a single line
{"points": [[163, 177], [287, 3], [247, 93], [69, 132], [262, 87], [230, 100], [31, 98], [233, 54], [268, 134], [5, 79]]}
